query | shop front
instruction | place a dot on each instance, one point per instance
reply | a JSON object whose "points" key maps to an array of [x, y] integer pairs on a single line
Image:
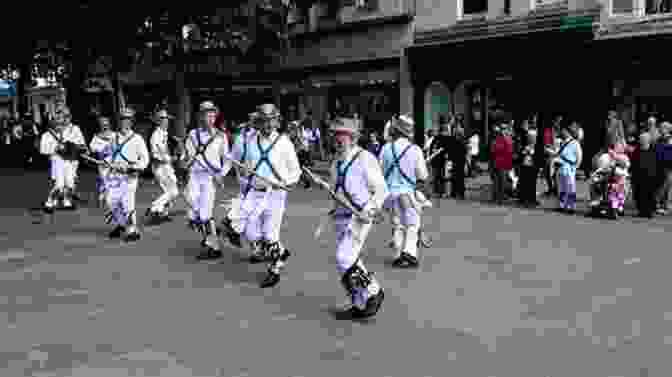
{"points": [[641, 83], [508, 77], [370, 95]]}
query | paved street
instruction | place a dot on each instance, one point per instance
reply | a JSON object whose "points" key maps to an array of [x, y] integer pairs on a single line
{"points": [[504, 292]]}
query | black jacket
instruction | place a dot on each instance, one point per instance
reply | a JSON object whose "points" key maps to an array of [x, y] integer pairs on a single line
{"points": [[440, 141]]}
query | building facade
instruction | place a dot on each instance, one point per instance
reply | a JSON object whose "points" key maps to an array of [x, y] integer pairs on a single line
{"points": [[506, 59], [341, 57], [496, 60]]}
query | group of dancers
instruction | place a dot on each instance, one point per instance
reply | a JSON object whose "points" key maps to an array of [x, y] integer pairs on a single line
{"points": [[265, 161]]}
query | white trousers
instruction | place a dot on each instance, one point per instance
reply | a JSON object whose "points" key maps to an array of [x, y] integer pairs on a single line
{"points": [[121, 191], [165, 176], [261, 215], [405, 226], [202, 192], [350, 237], [63, 173]]}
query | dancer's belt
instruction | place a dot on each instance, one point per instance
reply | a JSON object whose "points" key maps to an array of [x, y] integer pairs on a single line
{"points": [[261, 188]]}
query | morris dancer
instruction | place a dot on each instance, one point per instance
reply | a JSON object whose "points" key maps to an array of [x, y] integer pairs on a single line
{"points": [[272, 156], [207, 151], [129, 159], [357, 175], [232, 227], [80, 146], [101, 146], [163, 170], [405, 169], [62, 143]]}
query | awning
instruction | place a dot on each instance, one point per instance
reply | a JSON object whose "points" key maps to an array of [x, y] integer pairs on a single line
{"points": [[7, 88], [251, 87], [355, 78]]}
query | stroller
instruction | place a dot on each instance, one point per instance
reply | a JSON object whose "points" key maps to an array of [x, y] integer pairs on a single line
{"points": [[610, 178]]}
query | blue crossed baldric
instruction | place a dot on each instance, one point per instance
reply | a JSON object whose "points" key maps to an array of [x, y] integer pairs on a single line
{"points": [[395, 164], [264, 157], [341, 174], [201, 147]]}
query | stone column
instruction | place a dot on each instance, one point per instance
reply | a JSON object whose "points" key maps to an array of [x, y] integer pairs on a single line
{"points": [[419, 89]]}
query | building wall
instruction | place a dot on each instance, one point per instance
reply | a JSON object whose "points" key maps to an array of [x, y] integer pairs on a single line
{"points": [[440, 14], [375, 42]]}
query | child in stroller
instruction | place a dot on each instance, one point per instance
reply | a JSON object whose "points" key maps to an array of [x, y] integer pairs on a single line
{"points": [[609, 183]]}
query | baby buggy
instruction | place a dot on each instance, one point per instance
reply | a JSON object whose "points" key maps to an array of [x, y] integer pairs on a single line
{"points": [[609, 187]]}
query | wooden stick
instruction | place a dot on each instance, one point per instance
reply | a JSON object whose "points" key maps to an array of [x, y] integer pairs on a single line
{"points": [[256, 175], [431, 157], [340, 199]]}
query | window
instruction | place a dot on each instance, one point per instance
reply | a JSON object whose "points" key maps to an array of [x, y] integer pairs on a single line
{"points": [[656, 6], [473, 7]]}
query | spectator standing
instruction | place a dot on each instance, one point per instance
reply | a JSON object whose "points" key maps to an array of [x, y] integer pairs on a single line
{"points": [[472, 157], [569, 156], [438, 163], [457, 151], [527, 191], [501, 158], [549, 136], [664, 157], [645, 176], [374, 145]]}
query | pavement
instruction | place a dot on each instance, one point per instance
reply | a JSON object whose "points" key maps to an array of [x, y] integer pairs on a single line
{"points": [[503, 292]]}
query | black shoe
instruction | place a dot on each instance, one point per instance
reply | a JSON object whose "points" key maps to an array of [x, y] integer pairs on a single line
{"points": [[209, 254], [559, 210], [349, 314], [271, 280], [258, 257], [48, 210], [571, 211], [405, 260], [117, 232], [132, 237], [373, 305]]}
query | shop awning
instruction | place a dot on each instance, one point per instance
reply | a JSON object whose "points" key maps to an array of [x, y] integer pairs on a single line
{"points": [[7, 88], [355, 78]]}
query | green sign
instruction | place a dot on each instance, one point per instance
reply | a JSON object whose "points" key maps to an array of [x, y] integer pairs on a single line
{"points": [[577, 23]]}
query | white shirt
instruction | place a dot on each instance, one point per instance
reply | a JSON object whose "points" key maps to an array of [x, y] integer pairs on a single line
{"points": [[421, 172], [158, 145], [374, 177], [216, 153], [49, 143], [134, 150], [282, 157], [474, 144]]}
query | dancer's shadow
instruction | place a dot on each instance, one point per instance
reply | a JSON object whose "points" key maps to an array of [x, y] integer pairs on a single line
{"points": [[233, 267]]}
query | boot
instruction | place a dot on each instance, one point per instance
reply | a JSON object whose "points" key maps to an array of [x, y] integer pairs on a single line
{"points": [[259, 252], [132, 236], [117, 232], [280, 256]]}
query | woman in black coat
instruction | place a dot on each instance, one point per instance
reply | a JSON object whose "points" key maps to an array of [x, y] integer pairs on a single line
{"points": [[438, 163]]}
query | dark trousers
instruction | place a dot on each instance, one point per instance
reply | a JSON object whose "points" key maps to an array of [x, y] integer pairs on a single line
{"points": [[457, 188], [527, 187], [645, 196], [499, 184], [305, 160], [549, 178], [439, 180]]}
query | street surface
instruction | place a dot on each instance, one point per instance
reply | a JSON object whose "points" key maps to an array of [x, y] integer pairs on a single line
{"points": [[504, 292]]}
